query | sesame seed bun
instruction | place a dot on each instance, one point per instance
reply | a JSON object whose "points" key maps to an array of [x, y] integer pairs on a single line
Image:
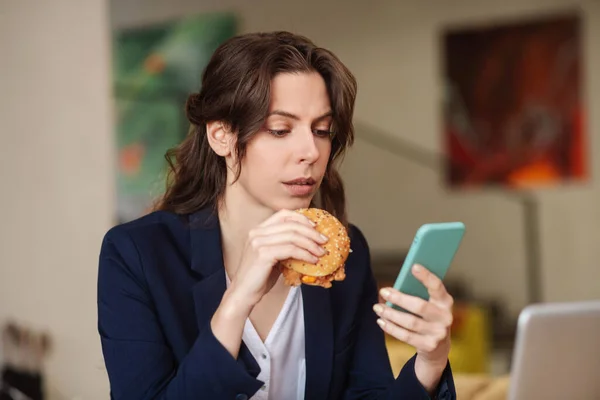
{"points": [[331, 265]]}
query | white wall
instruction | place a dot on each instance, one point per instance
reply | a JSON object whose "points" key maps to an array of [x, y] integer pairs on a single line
{"points": [[56, 179], [56, 160]]}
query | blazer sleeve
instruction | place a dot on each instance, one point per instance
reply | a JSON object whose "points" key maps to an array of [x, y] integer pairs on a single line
{"points": [[370, 375], [138, 360]]}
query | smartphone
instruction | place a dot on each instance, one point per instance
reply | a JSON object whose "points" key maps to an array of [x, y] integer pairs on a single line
{"points": [[433, 247]]}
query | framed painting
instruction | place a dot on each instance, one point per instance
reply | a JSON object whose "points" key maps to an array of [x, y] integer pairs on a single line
{"points": [[513, 108]]}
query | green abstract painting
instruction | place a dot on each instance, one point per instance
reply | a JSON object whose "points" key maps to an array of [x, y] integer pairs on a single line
{"points": [[155, 68]]}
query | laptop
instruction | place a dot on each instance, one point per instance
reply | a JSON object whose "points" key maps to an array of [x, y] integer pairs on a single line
{"points": [[557, 352]]}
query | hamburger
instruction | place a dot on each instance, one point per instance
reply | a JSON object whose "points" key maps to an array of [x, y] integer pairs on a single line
{"points": [[330, 266]]}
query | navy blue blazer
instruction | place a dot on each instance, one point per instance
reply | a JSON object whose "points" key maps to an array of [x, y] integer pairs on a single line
{"points": [[160, 280]]}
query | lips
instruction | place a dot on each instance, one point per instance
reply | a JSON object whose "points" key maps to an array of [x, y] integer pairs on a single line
{"points": [[301, 181], [301, 187]]}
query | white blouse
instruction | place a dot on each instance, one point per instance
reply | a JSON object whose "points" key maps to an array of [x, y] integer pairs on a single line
{"points": [[281, 357]]}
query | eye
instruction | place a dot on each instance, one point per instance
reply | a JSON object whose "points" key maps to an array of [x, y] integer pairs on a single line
{"points": [[278, 132], [323, 133]]}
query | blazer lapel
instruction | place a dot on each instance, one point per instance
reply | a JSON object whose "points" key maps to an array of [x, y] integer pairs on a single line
{"points": [[207, 260], [318, 331]]}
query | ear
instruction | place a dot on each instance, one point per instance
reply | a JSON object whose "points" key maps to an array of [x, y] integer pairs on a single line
{"points": [[220, 138]]}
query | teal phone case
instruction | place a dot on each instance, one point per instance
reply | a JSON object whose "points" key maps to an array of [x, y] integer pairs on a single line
{"points": [[433, 247]]}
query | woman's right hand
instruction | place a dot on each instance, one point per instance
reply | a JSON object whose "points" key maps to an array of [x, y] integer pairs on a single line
{"points": [[286, 234]]}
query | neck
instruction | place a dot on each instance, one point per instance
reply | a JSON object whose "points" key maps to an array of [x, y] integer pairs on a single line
{"points": [[238, 215]]}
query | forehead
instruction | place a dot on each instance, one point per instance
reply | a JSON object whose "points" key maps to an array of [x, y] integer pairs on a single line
{"points": [[303, 94]]}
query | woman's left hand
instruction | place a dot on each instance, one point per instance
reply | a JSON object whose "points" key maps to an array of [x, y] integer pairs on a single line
{"points": [[428, 330]]}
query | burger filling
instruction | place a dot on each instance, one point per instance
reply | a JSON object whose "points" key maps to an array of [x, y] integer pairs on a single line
{"points": [[295, 278]]}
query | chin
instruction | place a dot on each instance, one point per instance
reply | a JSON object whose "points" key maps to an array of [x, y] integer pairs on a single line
{"points": [[293, 203]]}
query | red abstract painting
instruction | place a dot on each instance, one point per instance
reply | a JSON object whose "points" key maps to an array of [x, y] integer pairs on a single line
{"points": [[513, 110]]}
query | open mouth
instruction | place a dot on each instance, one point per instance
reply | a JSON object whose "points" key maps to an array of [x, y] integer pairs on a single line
{"points": [[302, 182]]}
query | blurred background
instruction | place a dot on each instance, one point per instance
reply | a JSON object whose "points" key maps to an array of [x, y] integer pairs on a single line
{"points": [[469, 110]]}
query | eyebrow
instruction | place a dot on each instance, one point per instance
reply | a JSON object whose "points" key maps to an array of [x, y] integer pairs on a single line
{"points": [[295, 117]]}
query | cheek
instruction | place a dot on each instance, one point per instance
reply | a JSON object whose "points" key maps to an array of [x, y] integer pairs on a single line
{"points": [[260, 166]]}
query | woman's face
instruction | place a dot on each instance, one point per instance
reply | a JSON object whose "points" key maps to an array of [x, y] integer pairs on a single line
{"points": [[285, 162]]}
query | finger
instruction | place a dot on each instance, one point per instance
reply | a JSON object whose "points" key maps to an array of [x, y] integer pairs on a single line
{"points": [[406, 320], [435, 286], [429, 311], [287, 215], [290, 226], [421, 342], [280, 252], [288, 237]]}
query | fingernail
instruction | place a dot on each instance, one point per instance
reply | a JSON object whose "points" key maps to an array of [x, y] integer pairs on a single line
{"points": [[315, 259], [384, 293], [381, 322], [417, 268], [378, 308], [322, 250], [324, 238]]}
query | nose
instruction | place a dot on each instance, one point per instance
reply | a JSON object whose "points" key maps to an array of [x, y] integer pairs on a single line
{"points": [[307, 149]]}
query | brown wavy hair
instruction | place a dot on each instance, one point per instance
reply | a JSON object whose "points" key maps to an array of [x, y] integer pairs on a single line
{"points": [[236, 91]]}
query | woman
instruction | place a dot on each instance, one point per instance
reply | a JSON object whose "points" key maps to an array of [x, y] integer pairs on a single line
{"points": [[190, 304]]}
